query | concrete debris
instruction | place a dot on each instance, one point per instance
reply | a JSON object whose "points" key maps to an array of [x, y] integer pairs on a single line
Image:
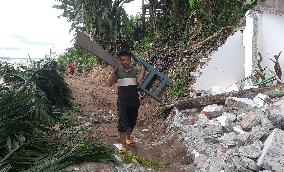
{"points": [[252, 119], [250, 151], [229, 139], [200, 160], [272, 156], [240, 103], [212, 111], [261, 99], [243, 135], [238, 129]]}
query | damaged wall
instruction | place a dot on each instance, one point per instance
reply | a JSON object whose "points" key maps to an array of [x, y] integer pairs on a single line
{"points": [[236, 60], [271, 38], [226, 66]]}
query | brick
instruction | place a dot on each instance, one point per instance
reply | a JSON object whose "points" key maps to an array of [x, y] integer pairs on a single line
{"points": [[252, 119]]}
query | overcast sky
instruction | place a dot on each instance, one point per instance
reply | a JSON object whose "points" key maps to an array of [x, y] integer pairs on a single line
{"points": [[32, 27]]}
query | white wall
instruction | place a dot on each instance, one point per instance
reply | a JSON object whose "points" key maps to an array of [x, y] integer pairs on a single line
{"points": [[226, 65], [271, 39]]}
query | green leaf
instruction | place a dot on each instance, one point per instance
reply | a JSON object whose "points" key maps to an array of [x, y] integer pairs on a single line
{"points": [[249, 2], [192, 3]]}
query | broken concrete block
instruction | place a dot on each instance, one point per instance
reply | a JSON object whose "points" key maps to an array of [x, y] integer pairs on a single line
{"points": [[229, 139], [212, 111], [217, 165], [231, 117], [226, 118], [261, 99], [242, 139], [272, 156], [249, 164], [251, 137], [238, 163], [189, 121], [200, 160], [266, 123], [240, 103], [252, 119], [213, 130], [257, 133], [213, 165], [238, 129], [276, 117], [250, 151], [222, 120]]}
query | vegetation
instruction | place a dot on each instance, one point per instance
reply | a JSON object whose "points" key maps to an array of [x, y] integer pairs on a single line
{"points": [[176, 37], [84, 60], [188, 30], [32, 102]]}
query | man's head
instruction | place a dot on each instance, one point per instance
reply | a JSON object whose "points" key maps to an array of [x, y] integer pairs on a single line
{"points": [[125, 59]]}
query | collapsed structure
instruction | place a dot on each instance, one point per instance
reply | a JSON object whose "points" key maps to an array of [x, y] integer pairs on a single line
{"points": [[242, 135]]}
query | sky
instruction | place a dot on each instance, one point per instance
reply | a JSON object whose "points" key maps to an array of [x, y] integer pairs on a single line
{"points": [[32, 27]]}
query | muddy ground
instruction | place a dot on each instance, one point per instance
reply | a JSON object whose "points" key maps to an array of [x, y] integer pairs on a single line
{"points": [[99, 117]]}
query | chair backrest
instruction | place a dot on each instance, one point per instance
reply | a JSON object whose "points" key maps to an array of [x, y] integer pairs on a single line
{"points": [[150, 81]]}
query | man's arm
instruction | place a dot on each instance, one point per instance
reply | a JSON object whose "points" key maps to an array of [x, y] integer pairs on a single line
{"points": [[141, 75], [112, 78]]}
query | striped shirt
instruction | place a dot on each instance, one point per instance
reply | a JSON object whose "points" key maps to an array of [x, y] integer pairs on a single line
{"points": [[127, 87]]}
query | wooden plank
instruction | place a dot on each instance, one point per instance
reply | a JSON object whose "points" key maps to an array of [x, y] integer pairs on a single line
{"points": [[86, 43]]}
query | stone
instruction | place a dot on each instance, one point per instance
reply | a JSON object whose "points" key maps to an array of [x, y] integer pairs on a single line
{"points": [[200, 160], [243, 139], [238, 163], [257, 133], [226, 119], [229, 139], [266, 123], [276, 117], [250, 151], [249, 164], [251, 119], [212, 111], [272, 156], [190, 121], [230, 116], [217, 165], [145, 130], [213, 165], [238, 129]]}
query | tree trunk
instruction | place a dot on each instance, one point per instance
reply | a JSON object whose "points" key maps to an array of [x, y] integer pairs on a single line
{"points": [[211, 99]]}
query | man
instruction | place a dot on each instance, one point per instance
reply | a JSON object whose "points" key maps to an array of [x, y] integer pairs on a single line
{"points": [[71, 68], [128, 102]]}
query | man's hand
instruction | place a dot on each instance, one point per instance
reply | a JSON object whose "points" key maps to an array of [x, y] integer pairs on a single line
{"points": [[141, 75]]}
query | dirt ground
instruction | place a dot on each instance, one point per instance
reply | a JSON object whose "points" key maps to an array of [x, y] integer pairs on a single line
{"points": [[98, 103]]}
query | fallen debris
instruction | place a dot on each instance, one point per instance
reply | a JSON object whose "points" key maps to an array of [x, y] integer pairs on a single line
{"points": [[218, 99], [236, 136], [273, 152]]}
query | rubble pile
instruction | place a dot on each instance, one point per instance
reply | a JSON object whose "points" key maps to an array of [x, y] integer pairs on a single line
{"points": [[242, 135]]}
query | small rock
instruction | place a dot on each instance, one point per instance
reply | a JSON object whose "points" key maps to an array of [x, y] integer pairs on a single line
{"points": [[145, 130], [212, 111], [229, 139], [200, 160], [87, 124], [250, 151], [252, 119], [238, 129], [249, 164]]}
